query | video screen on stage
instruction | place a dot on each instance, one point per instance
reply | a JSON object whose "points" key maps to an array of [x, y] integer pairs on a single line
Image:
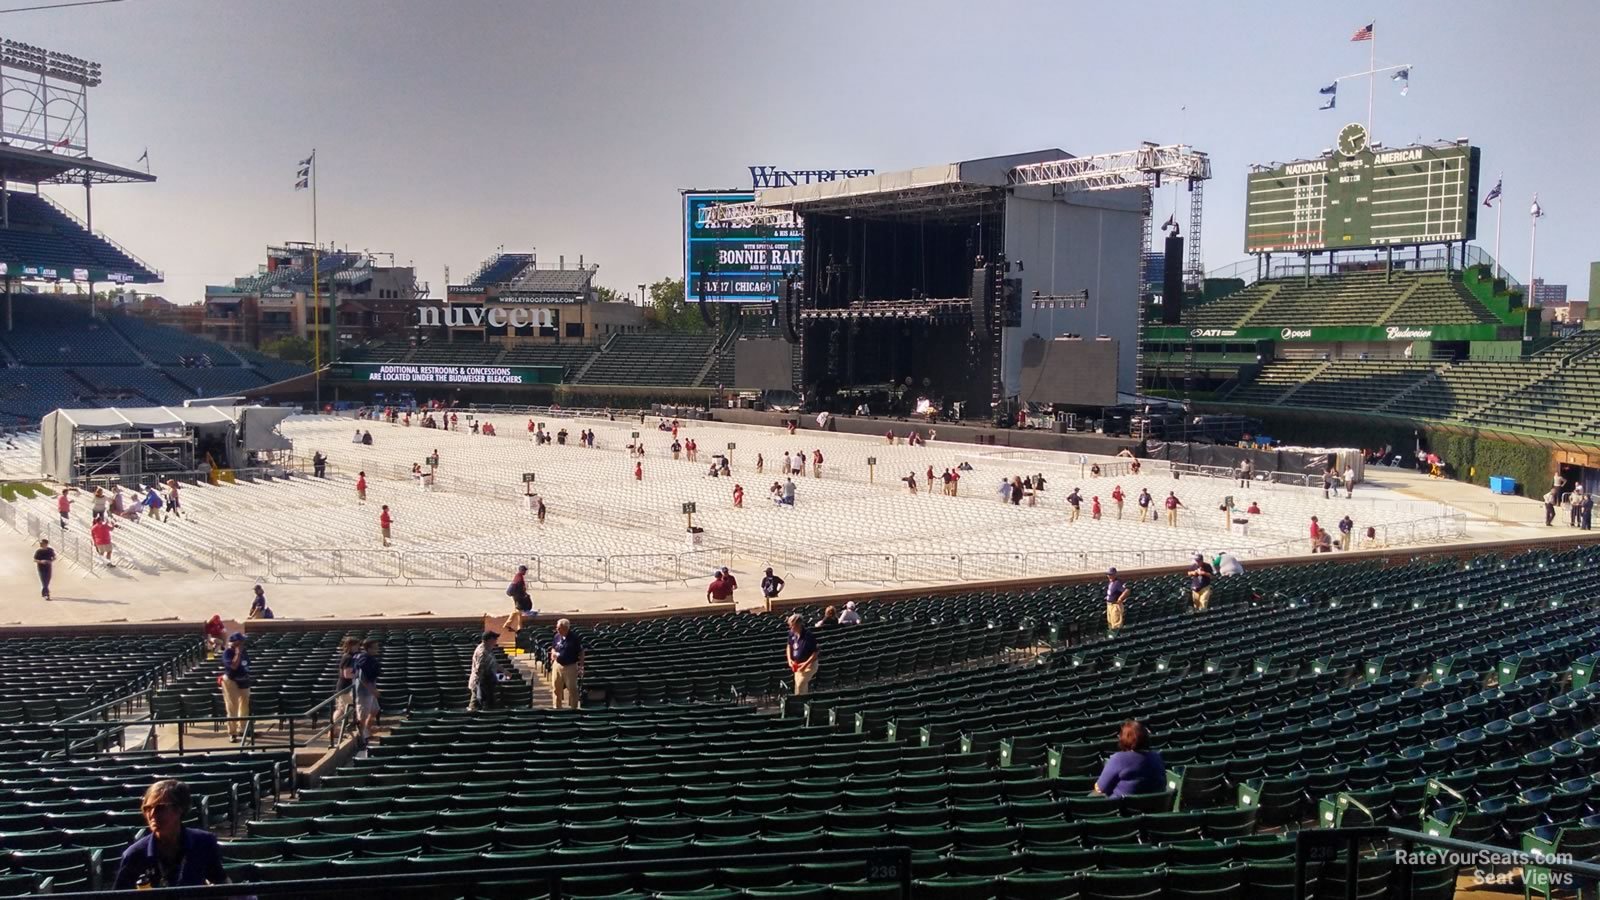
{"points": [[734, 265], [1361, 196]]}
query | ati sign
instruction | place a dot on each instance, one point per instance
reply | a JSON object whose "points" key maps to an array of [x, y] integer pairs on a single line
{"points": [[450, 375], [762, 177]]}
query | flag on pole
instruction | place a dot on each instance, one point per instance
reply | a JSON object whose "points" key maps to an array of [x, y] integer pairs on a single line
{"points": [[1404, 77], [1494, 194], [61, 143], [145, 156], [1537, 211], [1363, 34], [303, 174], [1332, 93]]}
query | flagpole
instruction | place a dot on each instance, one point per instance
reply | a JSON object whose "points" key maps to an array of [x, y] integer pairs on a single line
{"points": [[1533, 246], [1372, 73], [1499, 215], [316, 290]]}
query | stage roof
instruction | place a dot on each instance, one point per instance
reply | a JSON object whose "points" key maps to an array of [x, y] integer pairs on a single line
{"points": [[44, 167], [951, 190]]}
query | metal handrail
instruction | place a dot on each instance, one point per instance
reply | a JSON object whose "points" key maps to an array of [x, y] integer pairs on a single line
{"points": [[890, 864]]}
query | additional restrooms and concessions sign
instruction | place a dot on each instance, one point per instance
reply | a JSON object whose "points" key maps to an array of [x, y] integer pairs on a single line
{"points": [[404, 373]]}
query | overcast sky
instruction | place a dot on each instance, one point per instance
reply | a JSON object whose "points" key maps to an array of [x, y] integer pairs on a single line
{"points": [[447, 129]]}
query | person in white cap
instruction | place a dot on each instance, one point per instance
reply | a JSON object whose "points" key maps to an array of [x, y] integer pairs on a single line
{"points": [[1116, 600], [850, 616]]}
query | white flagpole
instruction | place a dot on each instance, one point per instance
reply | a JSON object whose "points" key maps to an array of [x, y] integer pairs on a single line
{"points": [[1533, 246], [1372, 73], [1499, 215]]}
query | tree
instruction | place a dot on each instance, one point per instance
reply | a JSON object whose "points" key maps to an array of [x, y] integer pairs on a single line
{"points": [[611, 295], [292, 348], [670, 311]]}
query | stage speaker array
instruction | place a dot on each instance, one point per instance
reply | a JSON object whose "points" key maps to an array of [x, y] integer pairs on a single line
{"points": [[789, 308], [1011, 302], [1172, 282], [982, 294]]}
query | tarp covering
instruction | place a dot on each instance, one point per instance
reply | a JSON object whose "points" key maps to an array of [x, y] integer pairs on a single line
{"points": [[258, 428]]}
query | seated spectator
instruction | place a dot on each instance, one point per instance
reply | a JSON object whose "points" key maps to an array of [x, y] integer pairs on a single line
{"points": [[169, 855], [830, 618], [1255, 508], [1134, 768], [849, 616], [258, 606]]}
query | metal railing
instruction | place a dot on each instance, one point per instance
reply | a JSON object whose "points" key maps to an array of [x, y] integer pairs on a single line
{"points": [[884, 865], [457, 569]]}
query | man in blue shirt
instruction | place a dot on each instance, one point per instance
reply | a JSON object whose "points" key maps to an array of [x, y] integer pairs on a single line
{"points": [[1200, 583], [1116, 600], [236, 685], [566, 665], [802, 654], [170, 855]]}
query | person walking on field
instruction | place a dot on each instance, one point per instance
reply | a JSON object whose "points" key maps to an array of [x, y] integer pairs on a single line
{"points": [[638, 471], [1173, 505], [385, 522], [738, 496], [1349, 483], [1117, 592], [1117, 496], [100, 536], [44, 559], [361, 486], [64, 506], [1075, 500], [1094, 508], [816, 464], [1144, 503]]}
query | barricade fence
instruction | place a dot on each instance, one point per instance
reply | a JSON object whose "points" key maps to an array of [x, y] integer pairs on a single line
{"points": [[456, 569]]}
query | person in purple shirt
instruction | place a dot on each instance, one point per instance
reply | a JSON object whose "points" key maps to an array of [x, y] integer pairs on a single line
{"points": [[170, 855], [1134, 768]]}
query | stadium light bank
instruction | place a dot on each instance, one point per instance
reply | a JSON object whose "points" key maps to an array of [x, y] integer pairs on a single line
{"points": [[453, 316]]}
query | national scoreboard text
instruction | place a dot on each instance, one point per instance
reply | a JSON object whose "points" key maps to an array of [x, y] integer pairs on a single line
{"points": [[1360, 197], [734, 265]]}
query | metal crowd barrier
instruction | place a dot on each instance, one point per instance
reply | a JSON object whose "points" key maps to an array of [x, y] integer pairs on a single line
{"points": [[455, 569]]}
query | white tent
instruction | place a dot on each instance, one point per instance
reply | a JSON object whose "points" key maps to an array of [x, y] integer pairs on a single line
{"points": [[243, 429]]}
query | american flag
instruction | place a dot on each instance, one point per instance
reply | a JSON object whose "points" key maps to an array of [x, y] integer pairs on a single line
{"points": [[1364, 34]]}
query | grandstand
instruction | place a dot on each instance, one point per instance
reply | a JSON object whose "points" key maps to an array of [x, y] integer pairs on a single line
{"points": [[1348, 299], [42, 235], [957, 726], [70, 356]]}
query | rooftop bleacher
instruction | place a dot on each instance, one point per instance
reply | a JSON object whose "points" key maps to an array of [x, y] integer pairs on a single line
{"points": [[500, 268], [271, 368]]}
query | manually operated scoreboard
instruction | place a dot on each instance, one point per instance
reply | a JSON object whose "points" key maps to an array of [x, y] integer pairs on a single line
{"points": [[1360, 196]]}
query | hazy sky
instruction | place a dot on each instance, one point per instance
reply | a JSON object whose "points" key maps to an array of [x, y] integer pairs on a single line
{"points": [[447, 128]]}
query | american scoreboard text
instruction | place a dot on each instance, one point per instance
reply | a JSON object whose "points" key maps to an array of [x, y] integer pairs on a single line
{"points": [[736, 265], [1358, 196]]}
